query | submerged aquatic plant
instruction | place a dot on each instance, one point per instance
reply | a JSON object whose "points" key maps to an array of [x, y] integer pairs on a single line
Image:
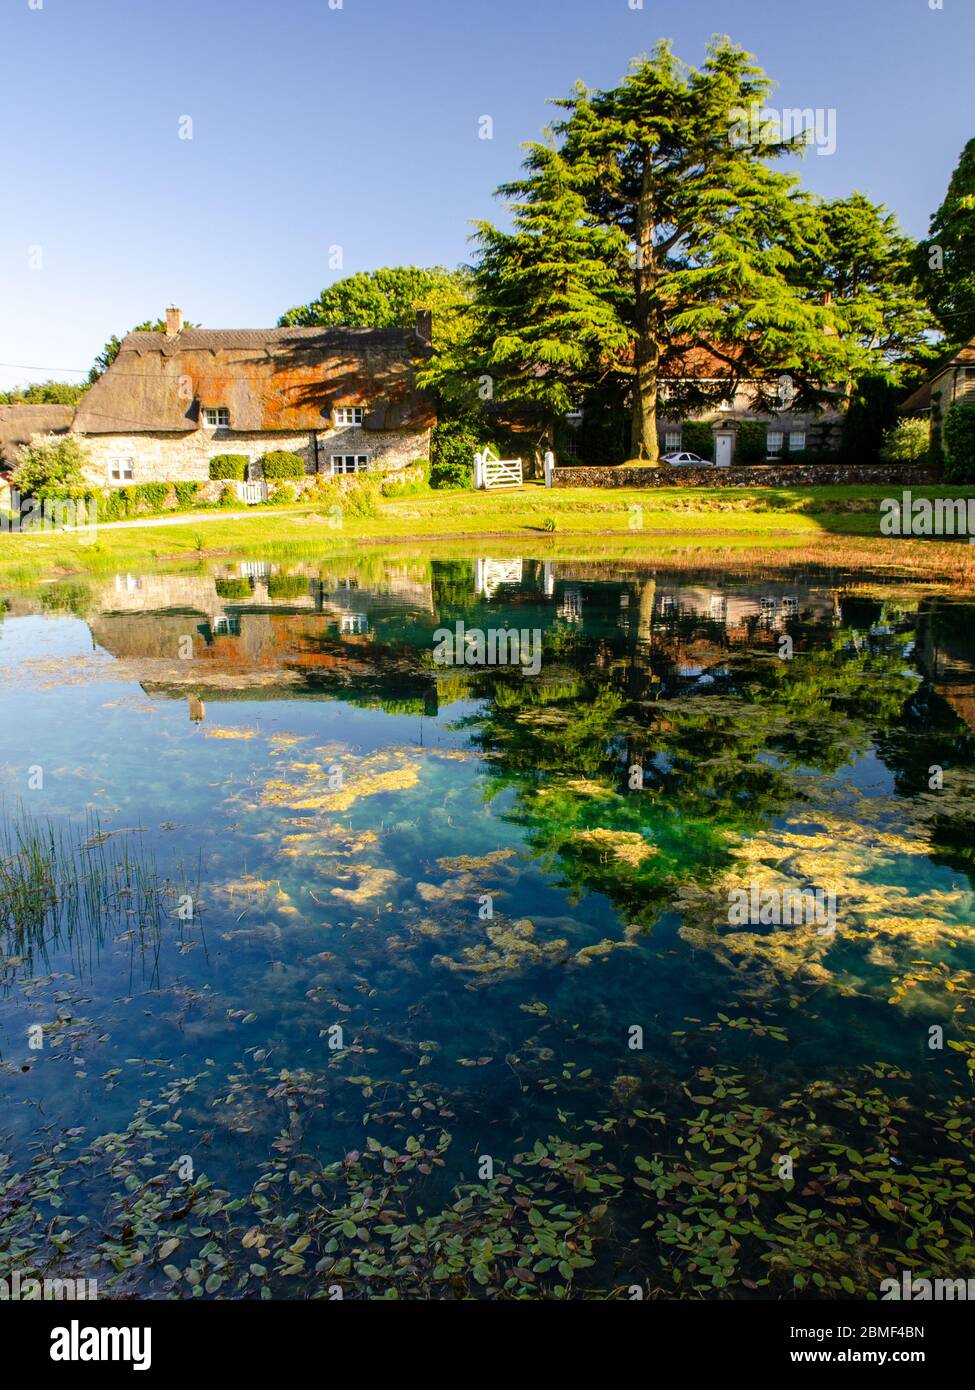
{"points": [[60, 885]]}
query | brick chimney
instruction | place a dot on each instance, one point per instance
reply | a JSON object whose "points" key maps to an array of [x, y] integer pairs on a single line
{"points": [[424, 325], [174, 322]]}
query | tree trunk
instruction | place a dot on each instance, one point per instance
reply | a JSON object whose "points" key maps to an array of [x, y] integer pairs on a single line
{"points": [[643, 441]]}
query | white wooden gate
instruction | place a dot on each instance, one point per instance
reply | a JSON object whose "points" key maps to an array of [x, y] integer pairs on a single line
{"points": [[252, 493], [490, 471]]}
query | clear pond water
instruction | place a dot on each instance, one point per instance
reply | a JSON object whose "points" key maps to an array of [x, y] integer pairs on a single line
{"points": [[327, 968]]}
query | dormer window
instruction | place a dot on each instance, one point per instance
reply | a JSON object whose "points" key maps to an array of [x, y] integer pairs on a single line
{"points": [[349, 415], [216, 417]]}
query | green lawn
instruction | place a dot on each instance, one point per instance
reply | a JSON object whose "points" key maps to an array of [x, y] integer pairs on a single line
{"points": [[624, 521]]}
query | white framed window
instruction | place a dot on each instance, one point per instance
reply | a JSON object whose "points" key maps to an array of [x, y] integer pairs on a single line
{"points": [[672, 440], [346, 415], [216, 417], [121, 470], [797, 441], [572, 448], [349, 463], [776, 440]]}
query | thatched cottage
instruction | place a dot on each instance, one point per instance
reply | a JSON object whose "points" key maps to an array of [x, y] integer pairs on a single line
{"points": [[344, 399]]}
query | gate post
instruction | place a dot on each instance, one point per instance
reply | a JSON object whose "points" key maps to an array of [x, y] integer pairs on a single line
{"points": [[549, 469]]}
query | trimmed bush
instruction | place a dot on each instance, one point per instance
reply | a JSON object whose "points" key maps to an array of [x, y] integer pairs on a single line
{"points": [[455, 442], [229, 498], [908, 442], [280, 464], [229, 466], [959, 443]]}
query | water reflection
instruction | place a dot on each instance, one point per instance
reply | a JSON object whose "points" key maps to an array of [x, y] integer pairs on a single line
{"points": [[487, 878]]}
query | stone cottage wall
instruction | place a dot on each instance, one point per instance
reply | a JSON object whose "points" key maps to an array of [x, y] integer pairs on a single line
{"points": [[177, 458]]}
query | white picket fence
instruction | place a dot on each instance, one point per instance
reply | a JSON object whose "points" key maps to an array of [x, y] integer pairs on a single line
{"points": [[490, 471]]}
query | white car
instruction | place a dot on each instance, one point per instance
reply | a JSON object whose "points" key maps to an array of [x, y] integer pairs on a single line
{"points": [[688, 460]]}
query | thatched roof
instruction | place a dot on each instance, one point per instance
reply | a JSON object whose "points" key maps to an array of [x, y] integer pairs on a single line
{"points": [[268, 378], [19, 422]]}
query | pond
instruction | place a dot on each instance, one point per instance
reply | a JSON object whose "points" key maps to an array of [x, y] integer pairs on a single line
{"points": [[347, 950]]}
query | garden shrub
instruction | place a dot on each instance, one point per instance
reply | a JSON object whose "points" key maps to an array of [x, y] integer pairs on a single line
{"points": [[232, 466], [409, 482], [50, 461], [283, 496], [229, 498], [959, 443], [361, 499], [280, 464], [907, 442]]}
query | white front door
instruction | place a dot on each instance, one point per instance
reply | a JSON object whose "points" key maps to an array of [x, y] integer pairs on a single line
{"points": [[722, 447]]}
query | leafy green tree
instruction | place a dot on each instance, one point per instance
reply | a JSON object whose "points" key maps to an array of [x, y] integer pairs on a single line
{"points": [[387, 298], [546, 317], [44, 393], [51, 461], [113, 347], [947, 262], [677, 162], [868, 266]]}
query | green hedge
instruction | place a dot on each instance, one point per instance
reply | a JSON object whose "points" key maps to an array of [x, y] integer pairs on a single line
{"points": [[280, 464], [121, 503], [186, 495], [959, 443], [230, 466]]}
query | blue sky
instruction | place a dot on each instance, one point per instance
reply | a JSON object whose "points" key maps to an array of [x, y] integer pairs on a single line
{"points": [[357, 127]]}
